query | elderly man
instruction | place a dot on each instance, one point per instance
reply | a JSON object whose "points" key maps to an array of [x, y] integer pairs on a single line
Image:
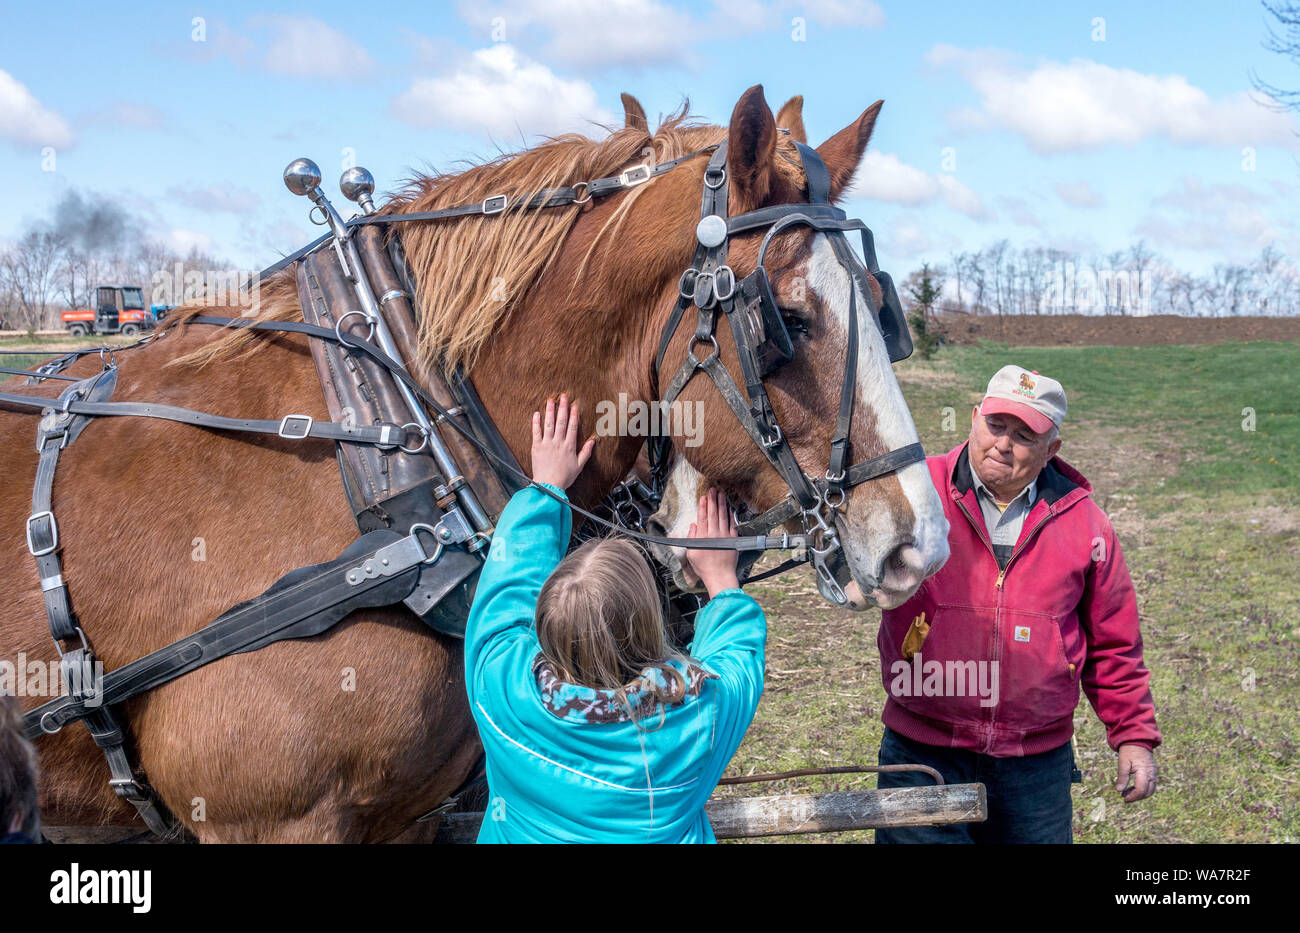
{"points": [[983, 664]]}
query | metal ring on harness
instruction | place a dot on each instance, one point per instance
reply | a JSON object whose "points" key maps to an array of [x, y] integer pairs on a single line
{"points": [[424, 438], [324, 218], [586, 188], [826, 496], [696, 338], [347, 314], [437, 551]]}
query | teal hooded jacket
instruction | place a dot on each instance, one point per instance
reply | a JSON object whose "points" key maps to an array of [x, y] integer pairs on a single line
{"points": [[562, 765]]}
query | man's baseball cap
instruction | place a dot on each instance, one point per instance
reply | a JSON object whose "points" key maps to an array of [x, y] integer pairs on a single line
{"points": [[1036, 400]]}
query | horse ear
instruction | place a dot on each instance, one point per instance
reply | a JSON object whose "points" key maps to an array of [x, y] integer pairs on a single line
{"points": [[634, 114], [751, 147], [843, 151], [790, 117]]}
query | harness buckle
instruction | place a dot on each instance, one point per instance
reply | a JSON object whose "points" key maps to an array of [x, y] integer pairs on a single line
{"points": [[718, 279], [776, 438], [53, 532], [495, 204], [284, 430], [636, 175], [129, 789], [685, 288]]}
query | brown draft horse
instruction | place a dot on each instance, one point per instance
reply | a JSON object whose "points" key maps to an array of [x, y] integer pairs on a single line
{"points": [[350, 735]]}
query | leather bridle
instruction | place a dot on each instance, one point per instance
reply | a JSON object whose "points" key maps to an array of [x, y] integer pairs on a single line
{"points": [[762, 345]]}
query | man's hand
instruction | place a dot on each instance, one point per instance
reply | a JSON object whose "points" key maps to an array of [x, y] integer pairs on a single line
{"points": [[716, 569], [556, 458], [1139, 763]]}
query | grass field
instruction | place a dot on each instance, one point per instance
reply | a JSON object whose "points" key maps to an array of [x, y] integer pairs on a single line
{"points": [[1208, 516]]}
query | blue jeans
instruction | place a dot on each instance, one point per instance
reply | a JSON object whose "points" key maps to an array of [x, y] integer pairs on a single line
{"points": [[1028, 797]]}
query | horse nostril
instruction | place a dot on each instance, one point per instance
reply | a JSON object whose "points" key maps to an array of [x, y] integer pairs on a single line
{"points": [[903, 568]]}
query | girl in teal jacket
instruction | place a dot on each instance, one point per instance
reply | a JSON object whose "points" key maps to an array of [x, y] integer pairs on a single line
{"points": [[593, 729]]}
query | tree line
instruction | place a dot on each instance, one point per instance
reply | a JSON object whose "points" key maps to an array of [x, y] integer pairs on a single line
{"points": [[1000, 279]]}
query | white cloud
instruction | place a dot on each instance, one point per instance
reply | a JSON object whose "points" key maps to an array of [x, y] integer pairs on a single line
{"points": [[500, 91], [308, 48], [593, 35], [1225, 218], [910, 242], [214, 198], [885, 177], [842, 13], [183, 241], [138, 116], [1079, 194], [588, 34], [1019, 211], [959, 197], [26, 121], [1082, 104]]}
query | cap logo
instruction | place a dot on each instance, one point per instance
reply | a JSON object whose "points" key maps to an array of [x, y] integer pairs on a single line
{"points": [[1026, 386]]}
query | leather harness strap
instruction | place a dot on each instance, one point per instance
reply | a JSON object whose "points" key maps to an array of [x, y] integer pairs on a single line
{"points": [[57, 429]]}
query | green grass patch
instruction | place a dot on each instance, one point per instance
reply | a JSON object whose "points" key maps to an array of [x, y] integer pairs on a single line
{"points": [[1235, 403]]}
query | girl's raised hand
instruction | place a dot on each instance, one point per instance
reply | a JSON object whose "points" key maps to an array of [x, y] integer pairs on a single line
{"points": [[716, 569], [556, 457]]}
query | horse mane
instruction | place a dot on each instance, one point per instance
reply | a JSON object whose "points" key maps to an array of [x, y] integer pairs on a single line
{"points": [[472, 272]]}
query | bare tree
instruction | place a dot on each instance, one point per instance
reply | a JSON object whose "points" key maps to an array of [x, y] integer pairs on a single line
{"points": [[29, 268], [958, 265], [1284, 39]]}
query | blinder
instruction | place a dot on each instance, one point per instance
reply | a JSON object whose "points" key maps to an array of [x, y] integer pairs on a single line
{"points": [[761, 322]]}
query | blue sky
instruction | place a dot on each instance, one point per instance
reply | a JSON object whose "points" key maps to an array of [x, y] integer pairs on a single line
{"points": [[1007, 120]]}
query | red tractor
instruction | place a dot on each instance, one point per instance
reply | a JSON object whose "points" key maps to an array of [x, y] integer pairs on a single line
{"points": [[119, 309]]}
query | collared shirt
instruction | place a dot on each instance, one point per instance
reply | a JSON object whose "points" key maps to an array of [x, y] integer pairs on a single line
{"points": [[1004, 525]]}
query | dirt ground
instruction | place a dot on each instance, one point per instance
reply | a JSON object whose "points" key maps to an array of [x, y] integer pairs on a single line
{"points": [[1034, 330]]}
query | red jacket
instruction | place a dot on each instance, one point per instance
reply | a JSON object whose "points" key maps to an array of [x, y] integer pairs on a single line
{"points": [[1062, 614]]}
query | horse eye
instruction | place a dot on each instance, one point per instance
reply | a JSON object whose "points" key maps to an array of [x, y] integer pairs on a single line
{"points": [[794, 324]]}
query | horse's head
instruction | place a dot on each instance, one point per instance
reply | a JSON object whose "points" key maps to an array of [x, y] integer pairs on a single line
{"points": [[892, 528]]}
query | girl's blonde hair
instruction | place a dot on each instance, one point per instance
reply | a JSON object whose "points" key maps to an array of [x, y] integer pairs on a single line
{"points": [[601, 623]]}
